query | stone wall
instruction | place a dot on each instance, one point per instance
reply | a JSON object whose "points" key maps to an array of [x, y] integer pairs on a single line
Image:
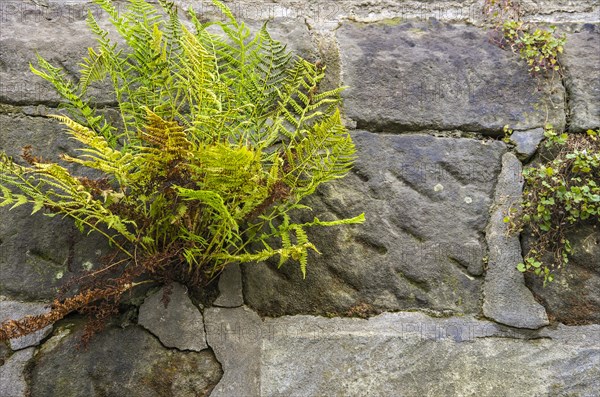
{"points": [[433, 267]]}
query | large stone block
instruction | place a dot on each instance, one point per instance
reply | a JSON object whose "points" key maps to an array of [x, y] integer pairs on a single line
{"points": [[10, 310], [582, 76], [411, 76], [407, 354], [37, 253], [120, 362], [58, 32], [426, 201]]}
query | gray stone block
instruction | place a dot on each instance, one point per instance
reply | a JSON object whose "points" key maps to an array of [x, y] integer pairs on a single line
{"points": [[426, 201], [178, 324], [506, 298], [412, 76]]}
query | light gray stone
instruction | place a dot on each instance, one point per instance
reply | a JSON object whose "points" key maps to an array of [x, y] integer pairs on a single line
{"points": [[506, 298], [12, 378], [410, 354], [230, 287], [329, 13], [426, 201], [120, 362], [178, 324], [526, 142], [13, 310], [412, 76], [581, 61], [235, 335]]}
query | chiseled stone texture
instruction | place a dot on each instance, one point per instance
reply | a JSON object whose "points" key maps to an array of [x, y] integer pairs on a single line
{"points": [[426, 201], [506, 298], [581, 61], [178, 324], [410, 354], [412, 76], [120, 362]]}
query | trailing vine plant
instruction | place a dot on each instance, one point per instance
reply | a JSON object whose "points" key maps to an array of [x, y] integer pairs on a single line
{"points": [[560, 192], [563, 188], [221, 137], [539, 47]]}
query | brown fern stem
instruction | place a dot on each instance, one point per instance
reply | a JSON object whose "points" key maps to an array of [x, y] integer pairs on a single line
{"points": [[10, 329]]}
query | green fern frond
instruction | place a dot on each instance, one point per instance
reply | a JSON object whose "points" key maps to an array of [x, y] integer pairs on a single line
{"points": [[222, 136]]}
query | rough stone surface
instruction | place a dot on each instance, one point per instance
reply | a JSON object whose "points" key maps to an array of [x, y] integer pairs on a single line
{"points": [[12, 380], [526, 142], [329, 13], [416, 76], [178, 324], [574, 296], [11, 310], [506, 298], [230, 287], [426, 199], [426, 202], [235, 335], [414, 355], [33, 265], [61, 36], [582, 67], [120, 362]]}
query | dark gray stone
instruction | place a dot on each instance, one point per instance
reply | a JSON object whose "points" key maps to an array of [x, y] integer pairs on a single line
{"points": [[410, 76], [34, 264], [574, 296], [178, 324], [120, 362], [413, 355], [230, 287], [11, 310], [57, 32], [526, 142], [581, 61], [426, 202], [506, 298], [12, 378], [235, 335]]}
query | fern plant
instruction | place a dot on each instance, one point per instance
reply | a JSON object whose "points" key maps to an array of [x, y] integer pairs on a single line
{"points": [[221, 137]]}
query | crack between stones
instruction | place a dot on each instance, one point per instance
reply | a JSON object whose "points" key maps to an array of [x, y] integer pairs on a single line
{"points": [[456, 133], [524, 338], [399, 128], [567, 101], [170, 347], [213, 352]]}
